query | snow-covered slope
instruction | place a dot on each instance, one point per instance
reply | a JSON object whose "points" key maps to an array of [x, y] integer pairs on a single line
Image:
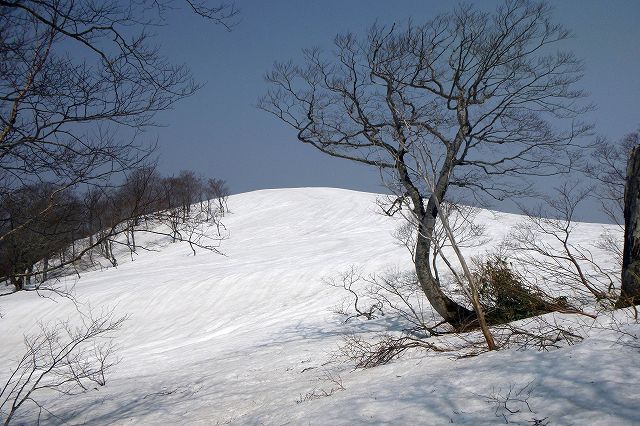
{"points": [[245, 338]]}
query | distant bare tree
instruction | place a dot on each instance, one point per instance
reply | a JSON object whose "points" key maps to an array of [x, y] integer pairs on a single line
{"points": [[470, 97], [42, 238], [104, 221], [217, 189]]}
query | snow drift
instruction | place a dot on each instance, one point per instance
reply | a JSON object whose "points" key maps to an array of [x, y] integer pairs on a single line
{"points": [[246, 338]]}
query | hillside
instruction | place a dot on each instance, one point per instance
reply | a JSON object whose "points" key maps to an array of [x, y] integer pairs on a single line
{"points": [[247, 337]]}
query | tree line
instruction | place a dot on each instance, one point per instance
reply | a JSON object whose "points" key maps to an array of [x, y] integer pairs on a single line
{"points": [[71, 225]]}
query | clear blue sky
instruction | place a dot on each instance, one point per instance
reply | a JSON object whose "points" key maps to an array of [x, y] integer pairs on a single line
{"points": [[220, 133]]}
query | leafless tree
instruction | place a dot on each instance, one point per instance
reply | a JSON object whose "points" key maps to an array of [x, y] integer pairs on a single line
{"points": [[544, 245], [79, 80], [179, 205], [608, 168], [49, 235], [105, 222], [218, 191], [165, 206], [65, 358], [350, 280], [469, 96], [398, 292]]}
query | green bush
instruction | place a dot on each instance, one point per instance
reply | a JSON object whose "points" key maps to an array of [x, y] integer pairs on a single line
{"points": [[504, 295]]}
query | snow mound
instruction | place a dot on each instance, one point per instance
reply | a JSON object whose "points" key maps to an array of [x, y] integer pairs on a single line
{"points": [[245, 338]]}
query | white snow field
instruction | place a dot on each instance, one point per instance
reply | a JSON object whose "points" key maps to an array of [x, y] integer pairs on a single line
{"points": [[246, 338]]}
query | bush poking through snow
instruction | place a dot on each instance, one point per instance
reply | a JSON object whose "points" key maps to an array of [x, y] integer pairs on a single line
{"points": [[333, 384], [505, 296]]}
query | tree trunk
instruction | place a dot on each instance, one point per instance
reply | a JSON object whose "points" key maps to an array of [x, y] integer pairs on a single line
{"points": [[133, 237], [17, 282], [45, 269], [26, 277], [474, 294], [452, 312], [630, 292]]}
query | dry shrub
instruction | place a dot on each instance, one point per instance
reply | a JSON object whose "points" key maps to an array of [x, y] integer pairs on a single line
{"points": [[514, 307], [367, 354]]}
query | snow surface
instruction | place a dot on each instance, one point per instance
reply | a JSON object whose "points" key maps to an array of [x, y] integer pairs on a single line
{"points": [[247, 338]]}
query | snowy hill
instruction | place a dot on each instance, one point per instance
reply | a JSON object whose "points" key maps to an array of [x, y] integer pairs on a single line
{"points": [[246, 338]]}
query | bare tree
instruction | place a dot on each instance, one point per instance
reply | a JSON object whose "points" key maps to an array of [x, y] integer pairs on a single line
{"points": [[470, 97], [398, 292], [608, 167], [350, 280], [105, 222], [544, 245], [218, 191], [41, 239], [65, 358], [79, 80]]}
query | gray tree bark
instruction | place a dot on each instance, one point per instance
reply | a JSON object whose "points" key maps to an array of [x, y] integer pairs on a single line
{"points": [[451, 311], [630, 292]]}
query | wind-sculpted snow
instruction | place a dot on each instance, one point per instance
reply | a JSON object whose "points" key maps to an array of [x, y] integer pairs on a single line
{"points": [[247, 337]]}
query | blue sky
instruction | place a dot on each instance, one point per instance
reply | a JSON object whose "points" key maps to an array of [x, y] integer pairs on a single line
{"points": [[220, 133]]}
